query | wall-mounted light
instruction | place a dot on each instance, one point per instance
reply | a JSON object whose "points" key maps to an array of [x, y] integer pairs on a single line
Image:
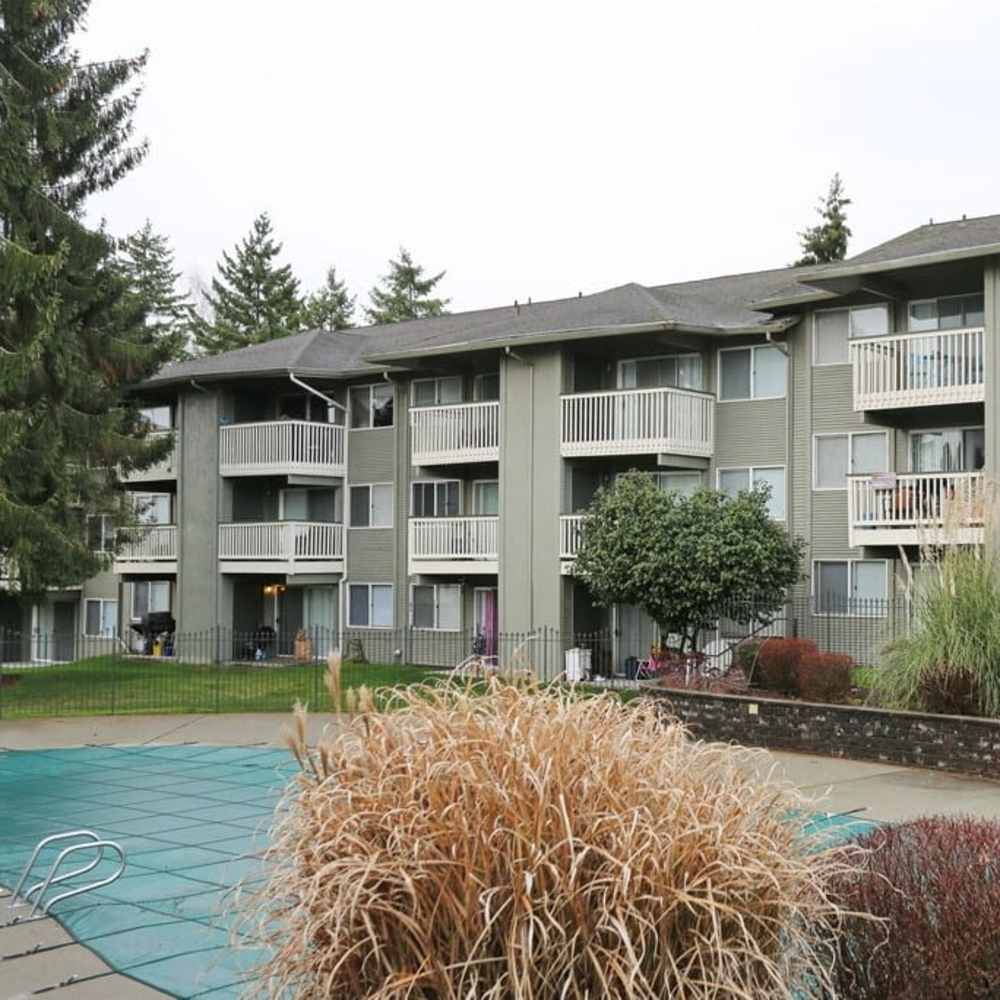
{"points": [[273, 589]]}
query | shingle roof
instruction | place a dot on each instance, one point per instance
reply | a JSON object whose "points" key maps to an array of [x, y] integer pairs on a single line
{"points": [[935, 237]]}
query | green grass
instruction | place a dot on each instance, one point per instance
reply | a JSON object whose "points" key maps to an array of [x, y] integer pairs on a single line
{"points": [[114, 685]]}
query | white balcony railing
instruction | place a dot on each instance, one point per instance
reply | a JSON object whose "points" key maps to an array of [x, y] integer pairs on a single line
{"points": [[916, 508], [280, 447], [164, 469], [457, 538], [570, 526], [464, 432], [918, 369], [638, 422], [282, 541], [148, 543]]}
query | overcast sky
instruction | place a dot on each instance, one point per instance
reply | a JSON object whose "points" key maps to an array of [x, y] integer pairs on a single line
{"points": [[539, 149]]}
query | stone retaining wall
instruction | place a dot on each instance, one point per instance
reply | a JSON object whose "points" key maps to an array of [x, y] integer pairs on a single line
{"points": [[945, 742]]}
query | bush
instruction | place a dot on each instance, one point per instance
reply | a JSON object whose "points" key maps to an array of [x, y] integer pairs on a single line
{"points": [[745, 655], [950, 661], [525, 843], [824, 677], [940, 936], [778, 662]]}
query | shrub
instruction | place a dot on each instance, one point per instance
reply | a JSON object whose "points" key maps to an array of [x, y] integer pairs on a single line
{"points": [[778, 661], [935, 884], [527, 843], [950, 661], [745, 655], [824, 677]]}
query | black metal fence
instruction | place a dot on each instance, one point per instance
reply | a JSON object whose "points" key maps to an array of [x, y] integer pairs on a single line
{"points": [[223, 670]]}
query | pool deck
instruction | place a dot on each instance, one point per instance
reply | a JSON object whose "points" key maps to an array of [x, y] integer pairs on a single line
{"points": [[877, 791]]}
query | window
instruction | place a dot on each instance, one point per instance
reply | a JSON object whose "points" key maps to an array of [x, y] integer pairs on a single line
{"points": [[736, 481], [159, 418], [684, 483], [437, 606], [835, 456], [683, 371], [952, 450], [100, 533], [751, 373], [486, 497], [100, 617], [369, 605], [437, 391], [310, 504], [833, 328], [436, 498], [371, 406], [855, 587], [150, 595], [371, 506], [152, 508], [953, 312], [486, 387], [298, 406]]}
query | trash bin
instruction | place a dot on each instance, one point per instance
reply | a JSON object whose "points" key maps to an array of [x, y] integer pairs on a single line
{"points": [[577, 664]]}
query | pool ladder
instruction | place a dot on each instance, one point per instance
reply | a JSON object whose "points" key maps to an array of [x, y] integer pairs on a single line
{"points": [[88, 841]]}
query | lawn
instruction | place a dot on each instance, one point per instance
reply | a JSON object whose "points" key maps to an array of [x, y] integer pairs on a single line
{"points": [[115, 685]]}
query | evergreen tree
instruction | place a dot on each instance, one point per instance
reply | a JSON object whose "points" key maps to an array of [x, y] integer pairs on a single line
{"points": [[69, 343], [252, 298], [405, 293], [331, 307], [147, 262], [827, 241]]}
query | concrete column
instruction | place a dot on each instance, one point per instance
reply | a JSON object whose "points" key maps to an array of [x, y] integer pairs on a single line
{"points": [[991, 360]]}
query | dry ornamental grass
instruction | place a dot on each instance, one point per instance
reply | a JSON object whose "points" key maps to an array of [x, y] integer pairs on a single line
{"points": [[518, 843]]}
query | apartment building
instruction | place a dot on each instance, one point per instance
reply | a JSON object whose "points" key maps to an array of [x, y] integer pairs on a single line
{"points": [[433, 474]]}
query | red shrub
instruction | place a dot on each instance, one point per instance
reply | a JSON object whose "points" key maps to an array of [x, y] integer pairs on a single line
{"points": [[824, 677], [778, 661], [940, 935]]}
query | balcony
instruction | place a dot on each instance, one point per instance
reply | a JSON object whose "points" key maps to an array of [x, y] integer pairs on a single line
{"points": [[463, 432], [638, 422], [147, 548], [918, 369], [570, 531], [287, 547], [281, 448], [453, 545], [917, 508], [165, 469]]}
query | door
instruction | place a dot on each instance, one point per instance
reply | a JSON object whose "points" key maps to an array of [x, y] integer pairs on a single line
{"points": [[319, 618], [486, 618], [64, 630], [290, 618]]}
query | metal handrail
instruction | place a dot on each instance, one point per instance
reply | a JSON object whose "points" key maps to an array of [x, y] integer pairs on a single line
{"points": [[44, 842], [113, 877]]}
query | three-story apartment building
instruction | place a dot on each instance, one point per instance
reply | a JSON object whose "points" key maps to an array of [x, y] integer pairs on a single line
{"points": [[433, 474]]}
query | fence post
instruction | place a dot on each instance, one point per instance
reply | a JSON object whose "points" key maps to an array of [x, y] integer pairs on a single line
{"points": [[115, 666], [218, 666]]}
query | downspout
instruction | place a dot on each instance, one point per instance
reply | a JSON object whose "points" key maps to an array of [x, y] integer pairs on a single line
{"points": [[342, 589], [531, 481], [200, 388]]}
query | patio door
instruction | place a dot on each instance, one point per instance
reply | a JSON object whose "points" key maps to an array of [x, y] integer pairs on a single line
{"points": [[485, 610], [64, 630], [319, 616]]}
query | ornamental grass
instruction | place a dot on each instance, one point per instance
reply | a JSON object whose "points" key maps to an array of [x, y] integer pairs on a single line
{"points": [[512, 842]]}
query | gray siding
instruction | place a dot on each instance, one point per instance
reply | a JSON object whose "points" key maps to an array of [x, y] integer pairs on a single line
{"points": [[751, 433], [370, 556]]}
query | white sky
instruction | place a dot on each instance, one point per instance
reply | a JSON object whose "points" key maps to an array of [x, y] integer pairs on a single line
{"points": [[540, 149]]}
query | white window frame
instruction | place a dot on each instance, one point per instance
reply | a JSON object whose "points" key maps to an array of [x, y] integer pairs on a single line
{"points": [[156, 428], [437, 627], [477, 382], [939, 298], [371, 602], [369, 526], [371, 387], [662, 357], [477, 482], [660, 475], [435, 481], [887, 576], [101, 601], [750, 470], [850, 334], [146, 494], [149, 583], [934, 430], [752, 348], [850, 435], [436, 381], [107, 545]]}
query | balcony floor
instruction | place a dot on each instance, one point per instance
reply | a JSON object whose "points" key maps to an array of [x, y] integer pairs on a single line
{"points": [[286, 567], [453, 567]]}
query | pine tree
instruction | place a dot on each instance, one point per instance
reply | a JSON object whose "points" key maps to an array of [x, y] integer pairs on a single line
{"points": [[69, 343], [331, 307], [147, 262], [252, 298], [827, 241], [405, 293]]}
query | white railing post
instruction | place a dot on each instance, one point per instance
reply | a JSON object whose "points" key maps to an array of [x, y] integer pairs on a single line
{"points": [[453, 538], [276, 445], [461, 432]]}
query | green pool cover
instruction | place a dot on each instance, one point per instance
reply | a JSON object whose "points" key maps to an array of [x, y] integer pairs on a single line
{"points": [[192, 819]]}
